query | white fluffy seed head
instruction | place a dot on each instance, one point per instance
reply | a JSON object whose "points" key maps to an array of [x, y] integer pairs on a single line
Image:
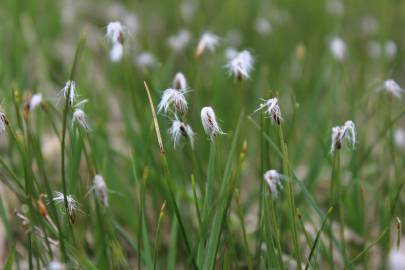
{"points": [[179, 41], [173, 98], [390, 49], [180, 130], [79, 116], [116, 52], [263, 26], [399, 138], [273, 180], [180, 82], [396, 259], [55, 265], [72, 204], [101, 189], [115, 32], [241, 65], [145, 60], [68, 92], [340, 134], [374, 49], [335, 7], [272, 109], [208, 42], [392, 87], [35, 101], [210, 123], [338, 48]]}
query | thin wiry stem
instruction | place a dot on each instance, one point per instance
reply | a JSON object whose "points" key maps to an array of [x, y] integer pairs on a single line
{"points": [[168, 182], [291, 202], [64, 123]]}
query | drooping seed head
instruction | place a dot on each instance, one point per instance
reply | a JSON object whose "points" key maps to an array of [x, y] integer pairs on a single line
{"points": [[173, 98], [241, 65], [35, 101], [79, 116], [210, 123], [101, 189], [340, 134], [68, 92], [273, 180], [72, 204], [208, 42], [180, 130], [392, 87], [272, 109], [115, 32], [180, 82]]}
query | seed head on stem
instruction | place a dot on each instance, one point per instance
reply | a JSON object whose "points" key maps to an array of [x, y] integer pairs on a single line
{"points": [[273, 180], [210, 123], [272, 109], [347, 132]]}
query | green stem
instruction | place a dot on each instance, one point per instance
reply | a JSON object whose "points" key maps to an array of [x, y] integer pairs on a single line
{"points": [[291, 203], [276, 231], [65, 113]]}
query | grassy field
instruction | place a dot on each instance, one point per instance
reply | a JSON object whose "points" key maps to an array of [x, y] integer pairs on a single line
{"points": [[298, 164]]}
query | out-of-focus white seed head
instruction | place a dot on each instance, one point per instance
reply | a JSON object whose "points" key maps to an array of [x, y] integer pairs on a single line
{"points": [[272, 109], [145, 60], [180, 82], [101, 189], [208, 42], [3, 123], [273, 180], [55, 265], [175, 98], [369, 25], [340, 134], [68, 92], [210, 123], [396, 259], [179, 130], [116, 52], [35, 101], [338, 48], [241, 65], [187, 9], [392, 87], [115, 32], [374, 49], [72, 204], [399, 138], [390, 49], [79, 116], [263, 27], [335, 7], [179, 41]]}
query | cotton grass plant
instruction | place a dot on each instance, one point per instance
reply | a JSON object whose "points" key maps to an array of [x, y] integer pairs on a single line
{"points": [[145, 136]]}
